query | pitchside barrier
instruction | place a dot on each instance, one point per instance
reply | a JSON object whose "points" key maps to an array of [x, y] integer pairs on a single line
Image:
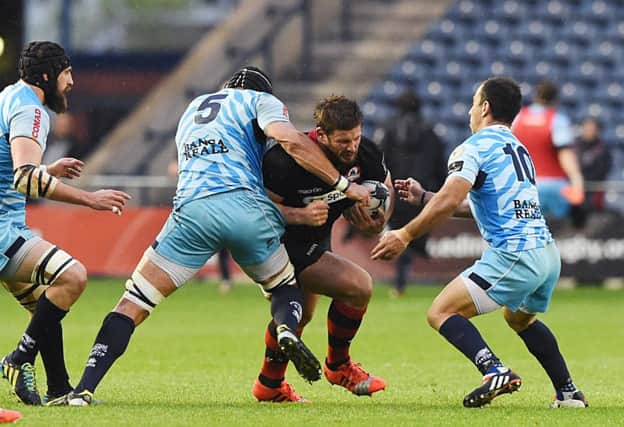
{"points": [[111, 245]]}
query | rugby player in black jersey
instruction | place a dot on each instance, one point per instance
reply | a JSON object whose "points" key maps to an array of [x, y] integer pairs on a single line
{"points": [[311, 207]]}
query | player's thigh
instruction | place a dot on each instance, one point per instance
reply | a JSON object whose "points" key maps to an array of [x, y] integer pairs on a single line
{"points": [[336, 277], [254, 233], [254, 229], [453, 299], [507, 278], [188, 238], [548, 262]]}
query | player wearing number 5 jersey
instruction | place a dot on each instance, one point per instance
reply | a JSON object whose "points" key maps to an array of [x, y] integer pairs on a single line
{"points": [[221, 203], [520, 267]]}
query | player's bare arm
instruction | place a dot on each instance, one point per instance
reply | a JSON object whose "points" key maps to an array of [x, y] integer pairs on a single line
{"points": [[442, 205], [570, 164], [27, 154], [411, 191], [310, 157], [314, 214]]}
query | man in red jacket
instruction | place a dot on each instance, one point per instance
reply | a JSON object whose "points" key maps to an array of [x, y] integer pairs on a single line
{"points": [[547, 134]]}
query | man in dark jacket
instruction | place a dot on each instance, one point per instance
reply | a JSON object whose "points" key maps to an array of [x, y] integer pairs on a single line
{"points": [[412, 148]]}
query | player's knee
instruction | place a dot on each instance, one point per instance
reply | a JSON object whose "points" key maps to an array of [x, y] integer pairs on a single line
{"points": [[142, 293], [435, 317], [518, 323], [286, 277], [363, 290], [131, 310], [74, 280]]}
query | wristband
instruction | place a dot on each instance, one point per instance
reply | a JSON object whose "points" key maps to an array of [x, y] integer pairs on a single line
{"points": [[342, 184], [422, 198]]}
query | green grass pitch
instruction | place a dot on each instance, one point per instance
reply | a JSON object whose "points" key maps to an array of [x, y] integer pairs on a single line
{"points": [[194, 361]]}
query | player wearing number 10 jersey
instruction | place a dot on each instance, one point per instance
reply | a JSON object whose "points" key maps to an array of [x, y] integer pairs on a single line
{"points": [[520, 267]]}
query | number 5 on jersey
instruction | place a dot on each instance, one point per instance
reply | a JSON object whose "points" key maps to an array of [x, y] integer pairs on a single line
{"points": [[202, 117]]}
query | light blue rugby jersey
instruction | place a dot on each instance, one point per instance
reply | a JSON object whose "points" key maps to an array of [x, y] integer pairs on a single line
{"points": [[21, 114], [217, 147], [503, 198]]}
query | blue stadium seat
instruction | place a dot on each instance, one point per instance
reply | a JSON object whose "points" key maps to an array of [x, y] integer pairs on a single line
{"points": [[447, 32], [596, 11], [534, 33], [560, 52], [408, 72], [615, 32], [591, 74], [377, 113], [470, 51], [426, 52], [387, 92], [509, 13], [490, 33], [610, 94], [467, 12], [555, 13], [580, 33], [516, 53], [571, 96]]}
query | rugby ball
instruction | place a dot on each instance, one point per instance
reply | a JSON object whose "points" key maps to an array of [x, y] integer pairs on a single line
{"points": [[380, 195]]}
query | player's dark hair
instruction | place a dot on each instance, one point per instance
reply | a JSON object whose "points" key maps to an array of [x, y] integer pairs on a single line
{"points": [[337, 113], [504, 96], [546, 92], [252, 78], [39, 58]]}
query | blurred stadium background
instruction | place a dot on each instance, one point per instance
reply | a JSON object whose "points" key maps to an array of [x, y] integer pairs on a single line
{"points": [[137, 63]]}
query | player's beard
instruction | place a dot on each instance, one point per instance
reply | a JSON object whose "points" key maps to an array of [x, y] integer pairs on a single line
{"points": [[57, 102], [348, 162]]}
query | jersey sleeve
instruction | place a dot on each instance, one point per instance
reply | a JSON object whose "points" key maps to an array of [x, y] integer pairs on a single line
{"points": [[275, 167], [30, 121], [464, 162], [269, 109], [562, 133]]}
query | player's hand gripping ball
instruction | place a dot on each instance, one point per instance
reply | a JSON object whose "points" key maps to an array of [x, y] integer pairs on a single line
{"points": [[380, 195]]}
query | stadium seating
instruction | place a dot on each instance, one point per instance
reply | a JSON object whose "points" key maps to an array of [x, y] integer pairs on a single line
{"points": [[577, 43]]}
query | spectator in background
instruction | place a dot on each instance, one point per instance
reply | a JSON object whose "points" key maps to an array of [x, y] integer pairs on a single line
{"points": [[595, 159], [412, 148], [547, 134]]}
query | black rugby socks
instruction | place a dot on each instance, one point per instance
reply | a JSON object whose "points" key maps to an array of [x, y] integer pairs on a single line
{"points": [[460, 332], [110, 343]]}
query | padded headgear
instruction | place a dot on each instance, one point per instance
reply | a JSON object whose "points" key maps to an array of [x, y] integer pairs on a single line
{"points": [[39, 58], [250, 78]]}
